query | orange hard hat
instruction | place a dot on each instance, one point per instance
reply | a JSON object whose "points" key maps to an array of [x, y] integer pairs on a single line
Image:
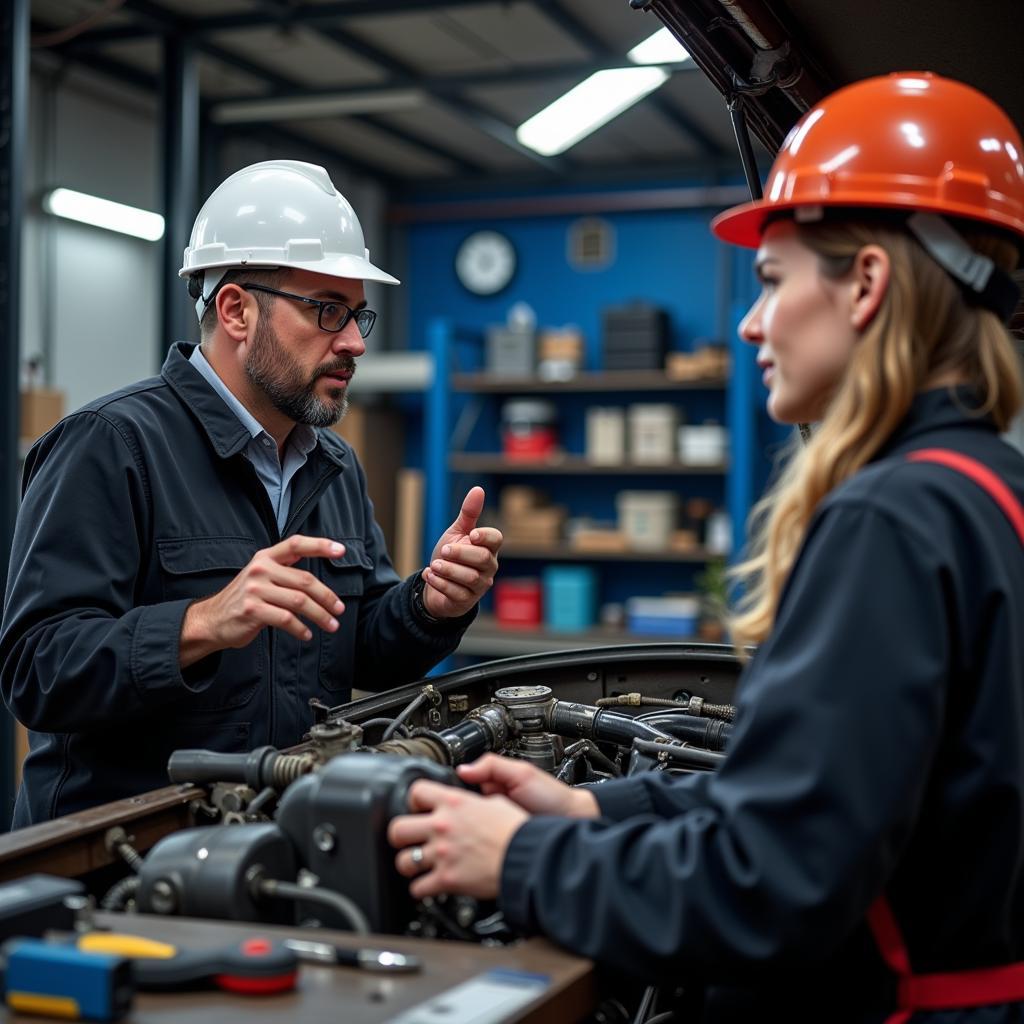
{"points": [[910, 141]]}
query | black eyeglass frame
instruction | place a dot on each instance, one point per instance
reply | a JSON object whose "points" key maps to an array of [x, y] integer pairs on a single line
{"points": [[350, 313]]}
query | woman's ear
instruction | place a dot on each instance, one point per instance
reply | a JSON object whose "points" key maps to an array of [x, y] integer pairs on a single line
{"points": [[235, 311], [871, 272]]}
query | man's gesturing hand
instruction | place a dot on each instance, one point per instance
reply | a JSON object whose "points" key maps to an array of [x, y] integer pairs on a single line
{"points": [[267, 592], [464, 562]]}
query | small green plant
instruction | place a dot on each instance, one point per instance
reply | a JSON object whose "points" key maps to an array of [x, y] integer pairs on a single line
{"points": [[713, 588]]}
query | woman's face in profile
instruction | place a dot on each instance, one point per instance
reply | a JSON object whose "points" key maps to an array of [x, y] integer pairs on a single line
{"points": [[801, 324]]}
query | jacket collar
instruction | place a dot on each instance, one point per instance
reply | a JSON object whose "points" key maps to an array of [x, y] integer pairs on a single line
{"points": [[935, 410], [226, 432]]}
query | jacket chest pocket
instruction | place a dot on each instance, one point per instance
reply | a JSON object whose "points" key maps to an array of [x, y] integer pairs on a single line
{"points": [[346, 577], [199, 567]]}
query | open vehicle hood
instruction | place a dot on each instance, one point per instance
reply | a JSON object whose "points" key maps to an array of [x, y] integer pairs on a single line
{"points": [[778, 57]]}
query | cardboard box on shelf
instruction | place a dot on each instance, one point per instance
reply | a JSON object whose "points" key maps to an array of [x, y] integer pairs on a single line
{"points": [[540, 526], [684, 541], [708, 362], [516, 498], [376, 433], [561, 343], [597, 541], [559, 353], [41, 409], [527, 519]]}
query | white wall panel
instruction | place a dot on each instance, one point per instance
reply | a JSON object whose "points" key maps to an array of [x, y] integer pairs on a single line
{"points": [[89, 295]]}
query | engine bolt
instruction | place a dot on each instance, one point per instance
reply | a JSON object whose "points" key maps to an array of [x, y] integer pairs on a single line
{"points": [[164, 898], [323, 837]]}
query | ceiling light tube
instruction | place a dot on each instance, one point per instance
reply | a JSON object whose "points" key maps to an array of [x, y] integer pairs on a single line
{"points": [[588, 106], [661, 48], [104, 213]]}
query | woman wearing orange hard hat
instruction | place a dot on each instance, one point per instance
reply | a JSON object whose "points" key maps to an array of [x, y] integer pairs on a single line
{"points": [[859, 856]]}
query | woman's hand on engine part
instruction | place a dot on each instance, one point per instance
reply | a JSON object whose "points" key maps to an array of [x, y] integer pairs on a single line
{"points": [[529, 787], [457, 843]]}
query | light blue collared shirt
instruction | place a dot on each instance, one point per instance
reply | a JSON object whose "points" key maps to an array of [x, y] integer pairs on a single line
{"points": [[261, 450]]}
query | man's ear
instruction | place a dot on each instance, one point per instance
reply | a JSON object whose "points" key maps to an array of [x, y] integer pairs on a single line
{"points": [[871, 272], [236, 312]]}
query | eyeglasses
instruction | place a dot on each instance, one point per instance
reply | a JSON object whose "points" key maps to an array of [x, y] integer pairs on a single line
{"points": [[331, 315]]}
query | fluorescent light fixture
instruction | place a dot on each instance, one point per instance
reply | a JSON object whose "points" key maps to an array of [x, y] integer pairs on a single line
{"points": [[103, 213], [661, 48], [587, 106], [298, 108]]}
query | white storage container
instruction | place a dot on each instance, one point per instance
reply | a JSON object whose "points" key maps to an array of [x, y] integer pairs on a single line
{"points": [[647, 518], [606, 434], [652, 433], [704, 445]]}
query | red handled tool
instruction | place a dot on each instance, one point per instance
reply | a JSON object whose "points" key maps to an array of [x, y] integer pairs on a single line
{"points": [[254, 966]]}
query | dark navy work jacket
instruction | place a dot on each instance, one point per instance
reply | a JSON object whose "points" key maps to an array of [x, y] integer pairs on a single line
{"points": [[134, 507], [879, 746]]}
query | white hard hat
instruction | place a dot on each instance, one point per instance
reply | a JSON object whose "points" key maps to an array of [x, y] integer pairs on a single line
{"points": [[278, 213]]}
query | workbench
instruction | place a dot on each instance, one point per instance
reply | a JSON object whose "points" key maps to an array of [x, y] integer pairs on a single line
{"points": [[349, 995]]}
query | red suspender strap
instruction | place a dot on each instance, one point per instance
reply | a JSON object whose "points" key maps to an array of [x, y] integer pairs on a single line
{"points": [[982, 476], [889, 940], [957, 989], [888, 937]]}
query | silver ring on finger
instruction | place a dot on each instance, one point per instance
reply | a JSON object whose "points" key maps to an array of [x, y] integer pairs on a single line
{"points": [[416, 855]]}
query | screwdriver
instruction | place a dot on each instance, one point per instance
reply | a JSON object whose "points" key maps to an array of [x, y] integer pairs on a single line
{"points": [[254, 966], [367, 959]]}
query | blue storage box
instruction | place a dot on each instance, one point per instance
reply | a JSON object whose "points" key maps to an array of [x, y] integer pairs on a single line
{"points": [[570, 597], [663, 616]]}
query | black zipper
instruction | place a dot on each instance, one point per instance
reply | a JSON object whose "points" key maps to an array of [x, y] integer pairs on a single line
{"points": [[330, 471]]}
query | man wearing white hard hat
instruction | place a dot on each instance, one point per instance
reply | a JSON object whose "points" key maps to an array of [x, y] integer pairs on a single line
{"points": [[196, 558]]}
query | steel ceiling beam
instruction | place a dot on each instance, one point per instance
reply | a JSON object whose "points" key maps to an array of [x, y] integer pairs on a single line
{"points": [[446, 90], [156, 19], [282, 86], [180, 162], [460, 163], [333, 14], [443, 85], [379, 174], [485, 120], [150, 83], [171, 23], [324, 18]]}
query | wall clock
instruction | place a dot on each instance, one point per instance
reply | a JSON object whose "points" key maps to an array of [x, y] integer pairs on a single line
{"points": [[485, 262]]}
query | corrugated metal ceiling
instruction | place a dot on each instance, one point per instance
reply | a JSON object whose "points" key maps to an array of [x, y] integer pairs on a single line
{"points": [[481, 68]]}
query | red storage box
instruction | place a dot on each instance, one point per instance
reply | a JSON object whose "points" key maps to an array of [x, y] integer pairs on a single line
{"points": [[517, 603], [536, 443]]}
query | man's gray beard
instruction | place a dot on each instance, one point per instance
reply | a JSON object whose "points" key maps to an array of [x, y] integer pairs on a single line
{"points": [[312, 411], [277, 375]]}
